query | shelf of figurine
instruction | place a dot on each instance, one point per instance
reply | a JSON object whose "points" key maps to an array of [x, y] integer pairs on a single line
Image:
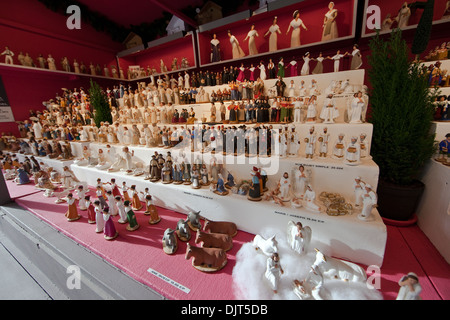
{"points": [[25, 61]]}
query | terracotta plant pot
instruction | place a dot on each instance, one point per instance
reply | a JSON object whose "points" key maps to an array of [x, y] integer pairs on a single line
{"points": [[399, 202]]}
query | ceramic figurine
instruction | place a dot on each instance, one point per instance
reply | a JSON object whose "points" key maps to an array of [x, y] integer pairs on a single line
{"points": [[274, 196], [236, 50], [206, 259], [285, 187], [329, 112], [22, 176], [352, 152], [131, 217], [309, 199], [109, 231], [183, 231], [194, 220], [111, 203], [72, 212], [90, 209], [369, 201], [339, 147], [195, 177], [251, 36], [323, 139], [356, 108], [267, 246], [444, 150], [254, 193], [337, 269], [330, 30], [99, 192], [8, 56], [125, 194], [214, 240], [356, 58], [410, 287], [135, 200], [69, 178], [223, 227], [311, 110], [273, 38], [121, 210], [310, 142], [273, 271], [295, 25], [293, 143], [169, 241], [99, 221], [220, 186], [403, 16], [204, 176], [81, 192], [298, 237], [151, 210], [359, 188]]}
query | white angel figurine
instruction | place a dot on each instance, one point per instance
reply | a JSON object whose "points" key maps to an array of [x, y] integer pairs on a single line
{"points": [[298, 237], [273, 271], [356, 108]]}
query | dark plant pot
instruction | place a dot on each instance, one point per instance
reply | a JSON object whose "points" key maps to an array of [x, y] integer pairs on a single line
{"points": [[398, 202]]}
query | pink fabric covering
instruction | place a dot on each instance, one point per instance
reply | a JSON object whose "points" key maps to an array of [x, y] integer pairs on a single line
{"points": [[17, 191], [407, 250]]}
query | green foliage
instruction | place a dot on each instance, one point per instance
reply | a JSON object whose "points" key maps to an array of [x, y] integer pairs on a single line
{"points": [[402, 110], [100, 104], [423, 31]]}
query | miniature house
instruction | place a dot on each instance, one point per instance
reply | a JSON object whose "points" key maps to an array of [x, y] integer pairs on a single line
{"points": [[175, 25], [209, 12], [132, 40]]}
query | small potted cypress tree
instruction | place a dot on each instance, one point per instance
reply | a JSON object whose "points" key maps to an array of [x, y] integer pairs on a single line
{"points": [[100, 104], [402, 114]]}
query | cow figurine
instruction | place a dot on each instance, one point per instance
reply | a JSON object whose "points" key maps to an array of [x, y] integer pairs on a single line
{"points": [[268, 247], [194, 220], [334, 268], [224, 227], [169, 241], [214, 240], [183, 231], [206, 259]]}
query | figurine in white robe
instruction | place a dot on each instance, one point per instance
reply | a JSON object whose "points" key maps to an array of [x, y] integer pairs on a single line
{"points": [[352, 152], [301, 181], [273, 272], [310, 142], [285, 187], [339, 147], [410, 288], [356, 109], [310, 198], [324, 139], [359, 188], [329, 112], [370, 200]]}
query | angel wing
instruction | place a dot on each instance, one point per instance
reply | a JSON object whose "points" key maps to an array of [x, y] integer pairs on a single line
{"points": [[364, 110], [290, 232], [307, 235]]}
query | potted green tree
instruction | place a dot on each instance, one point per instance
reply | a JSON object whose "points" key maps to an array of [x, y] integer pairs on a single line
{"points": [[402, 114], [100, 104]]}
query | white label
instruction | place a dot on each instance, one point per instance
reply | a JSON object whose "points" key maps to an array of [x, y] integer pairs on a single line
{"points": [[168, 280]]}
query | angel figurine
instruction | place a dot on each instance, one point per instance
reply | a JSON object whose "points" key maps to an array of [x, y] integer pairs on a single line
{"points": [[356, 108], [298, 237]]}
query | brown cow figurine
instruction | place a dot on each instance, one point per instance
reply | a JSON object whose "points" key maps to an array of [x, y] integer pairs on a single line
{"points": [[225, 227], [206, 259], [214, 240]]}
